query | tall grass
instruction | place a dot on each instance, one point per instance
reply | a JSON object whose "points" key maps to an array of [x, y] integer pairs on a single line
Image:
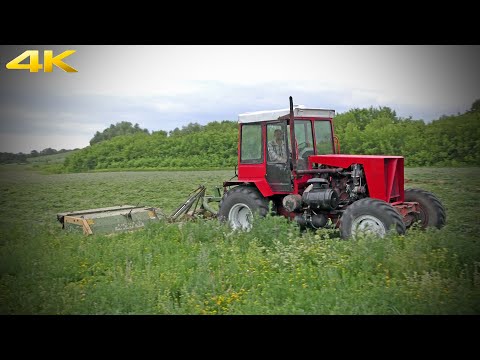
{"points": [[202, 267]]}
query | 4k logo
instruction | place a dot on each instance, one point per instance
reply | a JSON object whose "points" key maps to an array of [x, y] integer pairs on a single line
{"points": [[48, 61]]}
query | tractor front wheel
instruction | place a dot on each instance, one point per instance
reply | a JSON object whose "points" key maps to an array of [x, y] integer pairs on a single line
{"points": [[432, 212], [239, 204], [370, 216]]}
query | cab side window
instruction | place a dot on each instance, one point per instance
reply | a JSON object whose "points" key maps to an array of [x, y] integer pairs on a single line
{"points": [[251, 149]]}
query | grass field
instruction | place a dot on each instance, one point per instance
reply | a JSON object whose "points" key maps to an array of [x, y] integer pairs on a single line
{"points": [[50, 159], [49, 164], [203, 268]]}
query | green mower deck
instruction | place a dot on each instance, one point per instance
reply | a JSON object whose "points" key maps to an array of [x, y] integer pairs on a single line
{"points": [[127, 217], [108, 220]]}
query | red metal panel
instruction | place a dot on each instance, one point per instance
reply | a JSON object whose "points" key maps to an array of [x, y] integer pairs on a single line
{"points": [[384, 174], [264, 187], [390, 166], [255, 173], [400, 179], [261, 184], [251, 171]]}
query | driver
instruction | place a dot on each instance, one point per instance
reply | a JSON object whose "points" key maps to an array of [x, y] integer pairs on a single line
{"points": [[277, 148]]}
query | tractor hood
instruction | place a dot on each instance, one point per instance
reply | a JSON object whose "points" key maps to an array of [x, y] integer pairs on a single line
{"points": [[384, 174]]}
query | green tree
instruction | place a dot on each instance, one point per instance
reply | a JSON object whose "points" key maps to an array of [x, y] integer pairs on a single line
{"points": [[48, 151], [448, 141], [475, 106], [119, 129]]}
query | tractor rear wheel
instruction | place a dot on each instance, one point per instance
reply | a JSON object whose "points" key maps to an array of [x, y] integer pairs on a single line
{"points": [[432, 212], [370, 216], [239, 204]]}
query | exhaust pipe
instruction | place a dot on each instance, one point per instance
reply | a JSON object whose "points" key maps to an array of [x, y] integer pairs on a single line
{"points": [[292, 140]]}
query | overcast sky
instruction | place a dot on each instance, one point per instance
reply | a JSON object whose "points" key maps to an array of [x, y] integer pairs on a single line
{"points": [[164, 87]]}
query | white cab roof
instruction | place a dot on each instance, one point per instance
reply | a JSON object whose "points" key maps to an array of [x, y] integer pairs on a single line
{"points": [[298, 110]]}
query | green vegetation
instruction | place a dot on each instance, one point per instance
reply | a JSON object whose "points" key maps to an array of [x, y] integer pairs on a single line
{"points": [[211, 146], [203, 268], [47, 156], [119, 129], [10, 158], [49, 164], [449, 141], [50, 159], [43, 156]]}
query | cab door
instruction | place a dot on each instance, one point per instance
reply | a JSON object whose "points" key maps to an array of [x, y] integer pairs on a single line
{"points": [[279, 175]]}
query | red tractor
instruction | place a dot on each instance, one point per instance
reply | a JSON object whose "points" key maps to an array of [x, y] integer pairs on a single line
{"points": [[292, 158]]}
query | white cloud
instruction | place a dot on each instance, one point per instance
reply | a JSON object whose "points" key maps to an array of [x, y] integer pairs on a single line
{"points": [[411, 72], [26, 143], [163, 87]]}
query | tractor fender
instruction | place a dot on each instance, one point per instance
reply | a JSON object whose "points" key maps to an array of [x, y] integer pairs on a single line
{"points": [[261, 184]]}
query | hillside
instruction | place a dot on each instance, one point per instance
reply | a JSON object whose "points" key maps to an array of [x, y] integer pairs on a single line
{"points": [[448, 141], [194, 146], [51, 159]]}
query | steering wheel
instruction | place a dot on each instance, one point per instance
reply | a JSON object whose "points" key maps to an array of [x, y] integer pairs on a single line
{"points": [[305, 148], [302, 145]]}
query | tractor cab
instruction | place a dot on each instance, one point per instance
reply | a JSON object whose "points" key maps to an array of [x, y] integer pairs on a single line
{"points": [[270, 153]]}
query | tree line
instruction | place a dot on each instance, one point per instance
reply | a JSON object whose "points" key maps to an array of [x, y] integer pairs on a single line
{"points": [[119, 129], [449, 141], [193, 146], [21, 158]]}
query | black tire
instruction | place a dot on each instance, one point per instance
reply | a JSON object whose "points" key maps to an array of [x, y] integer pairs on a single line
{"points": [[239, 204], [377, 214], [432, 212]]}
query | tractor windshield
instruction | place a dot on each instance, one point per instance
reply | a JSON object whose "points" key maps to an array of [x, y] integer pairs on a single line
{"points": [[323, 137], [303, 138]]}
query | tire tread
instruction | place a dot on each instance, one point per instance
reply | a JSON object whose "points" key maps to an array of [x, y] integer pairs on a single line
{"points": [[438, 207], [372, 203]]}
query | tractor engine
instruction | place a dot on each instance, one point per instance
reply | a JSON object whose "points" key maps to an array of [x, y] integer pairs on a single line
{"points": [[350, 185], [326, 194], [319, 196]]}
